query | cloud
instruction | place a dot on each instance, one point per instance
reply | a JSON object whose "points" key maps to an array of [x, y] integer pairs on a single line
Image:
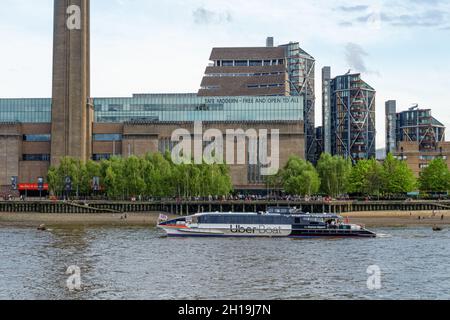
{"points": [[354, 55], [424, 18], [206, 17], [353, 8], [345, 24], [428, 2]]}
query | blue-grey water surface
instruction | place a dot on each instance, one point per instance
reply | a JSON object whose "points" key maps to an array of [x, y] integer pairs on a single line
{"points": [[138, 263]]}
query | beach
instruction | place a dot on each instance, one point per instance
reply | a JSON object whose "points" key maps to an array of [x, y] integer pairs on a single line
{"points": [[368, 219]]}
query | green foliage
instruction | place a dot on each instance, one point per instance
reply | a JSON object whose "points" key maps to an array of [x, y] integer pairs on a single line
{"points": [[334, 173], [154, 175], [397, 177], [300, 177], [366, 177], [436, 177]]}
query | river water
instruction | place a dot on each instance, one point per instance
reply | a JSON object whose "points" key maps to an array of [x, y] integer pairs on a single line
{"points": [[138, 263]]}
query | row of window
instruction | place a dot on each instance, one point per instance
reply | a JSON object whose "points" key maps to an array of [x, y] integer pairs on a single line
{"points": [[249, 63], [157, 107], [36, 157], [251, 114], [246, 220], [100, 157], [37, 137], [210, 88], [220, 75], [47, 137], [107, 137], [271, 85]]}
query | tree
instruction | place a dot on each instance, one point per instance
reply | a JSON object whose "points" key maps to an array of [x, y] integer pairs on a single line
{"points": [[55, 183], [436, 177], [112, 177], [154, 175], [134, 176], [334, 173], [366, 178], [300, 177], [398, 178]]}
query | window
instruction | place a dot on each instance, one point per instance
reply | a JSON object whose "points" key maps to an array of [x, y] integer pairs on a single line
{"points": [[227, 63], [100, 157], [37, 137], [211, 87], [256, 63], [115, 107], [267, 62], [36, 157], [241, 63], [107, 137]]}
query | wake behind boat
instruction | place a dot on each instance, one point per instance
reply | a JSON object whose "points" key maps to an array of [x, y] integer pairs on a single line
{"points": [[276, 223]]}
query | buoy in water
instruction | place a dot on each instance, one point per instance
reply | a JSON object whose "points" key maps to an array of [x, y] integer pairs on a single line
{"points": [[42, 227]]}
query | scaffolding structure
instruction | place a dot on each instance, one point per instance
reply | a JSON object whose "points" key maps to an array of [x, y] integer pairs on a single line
{"points": [[301, 77], [418, 125], [353, 118]]}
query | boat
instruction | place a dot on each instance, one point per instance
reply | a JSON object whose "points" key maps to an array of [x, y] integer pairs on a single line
{"points": [[436, 228], [275, 223]]}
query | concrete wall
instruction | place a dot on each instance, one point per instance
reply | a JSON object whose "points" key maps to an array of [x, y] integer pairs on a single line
{"points": [[416, 158], [10, 151]]}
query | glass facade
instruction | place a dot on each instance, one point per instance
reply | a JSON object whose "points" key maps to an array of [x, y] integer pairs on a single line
{"points": [[36, 157], [163, 108], [25, 110], [37, 137], [107, 137], [190, 107]]}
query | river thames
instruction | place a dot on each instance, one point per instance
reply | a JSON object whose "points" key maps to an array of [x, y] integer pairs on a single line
{"points": [[139, 263]]}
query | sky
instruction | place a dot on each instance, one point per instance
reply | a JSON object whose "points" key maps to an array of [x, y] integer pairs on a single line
{"points": [[401, 47]]}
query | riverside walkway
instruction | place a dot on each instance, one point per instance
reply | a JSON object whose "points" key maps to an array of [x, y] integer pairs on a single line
{"points": [[192, 207]]}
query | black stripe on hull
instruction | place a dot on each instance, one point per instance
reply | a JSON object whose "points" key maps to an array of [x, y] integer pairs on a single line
{"points": [[302, 234]]}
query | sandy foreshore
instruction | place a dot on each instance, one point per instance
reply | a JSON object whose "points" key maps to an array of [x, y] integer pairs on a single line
{"points": [[399, 218], [369, 219]]}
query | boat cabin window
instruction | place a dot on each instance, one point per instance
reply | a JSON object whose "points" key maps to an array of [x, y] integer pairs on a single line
{"points": [[245, 219]]}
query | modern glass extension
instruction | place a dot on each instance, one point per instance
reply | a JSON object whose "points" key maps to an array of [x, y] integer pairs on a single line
{"points": [[26, 110], [163, 108], [190, 107]]}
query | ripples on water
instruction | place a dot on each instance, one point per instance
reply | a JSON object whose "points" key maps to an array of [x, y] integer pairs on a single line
{"points": [[137, 263]]}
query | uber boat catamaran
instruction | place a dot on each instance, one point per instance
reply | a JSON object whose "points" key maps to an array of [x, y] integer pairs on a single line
{"points": [[277, 222]]}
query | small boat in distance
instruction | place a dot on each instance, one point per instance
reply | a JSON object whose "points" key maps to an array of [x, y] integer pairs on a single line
{"points": [[276, 223]]}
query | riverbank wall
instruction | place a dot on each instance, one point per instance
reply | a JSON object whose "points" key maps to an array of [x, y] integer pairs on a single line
{"points": [[192, 207]]}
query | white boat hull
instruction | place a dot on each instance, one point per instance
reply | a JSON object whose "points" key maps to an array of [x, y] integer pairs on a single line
{"points": [[229, 231]]}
